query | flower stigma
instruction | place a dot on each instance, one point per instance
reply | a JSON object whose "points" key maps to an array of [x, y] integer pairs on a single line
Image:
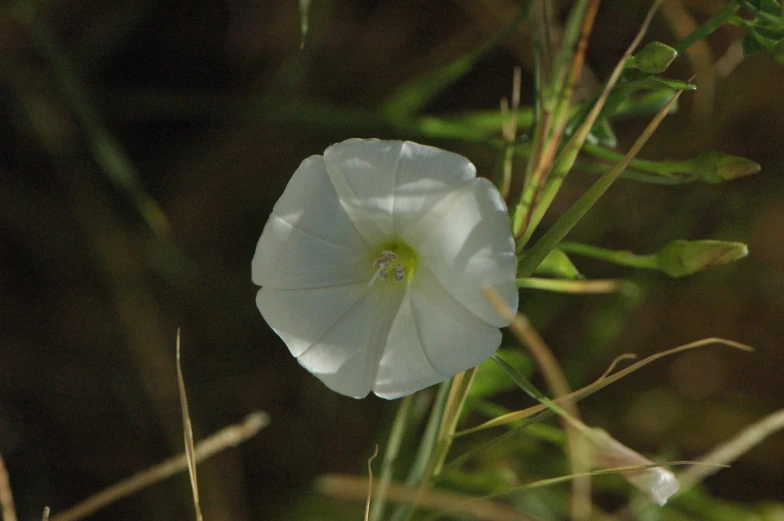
{"points": [[396, 259]]}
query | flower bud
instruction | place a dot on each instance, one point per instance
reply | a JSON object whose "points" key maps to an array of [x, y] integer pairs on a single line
{"points": [[659, 483], [655, 57], [681, 258], [717, 167]]}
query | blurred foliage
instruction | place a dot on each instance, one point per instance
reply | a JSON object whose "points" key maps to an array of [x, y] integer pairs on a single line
{"points": [[142, 148]]}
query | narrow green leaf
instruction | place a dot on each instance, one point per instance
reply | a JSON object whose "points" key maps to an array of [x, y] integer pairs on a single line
{"points": [[766, 6], [416, 94], [673, 84], [490, 379], [533, 257], [304, 16]]}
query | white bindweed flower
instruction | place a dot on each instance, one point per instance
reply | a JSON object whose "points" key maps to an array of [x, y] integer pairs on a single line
{"points": [[372, 263], [659, 483]]}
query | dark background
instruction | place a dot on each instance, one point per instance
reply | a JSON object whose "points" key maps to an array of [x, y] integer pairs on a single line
{"points": [[215, 106]]}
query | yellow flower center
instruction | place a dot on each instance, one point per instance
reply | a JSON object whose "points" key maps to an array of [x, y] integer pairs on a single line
{"points": [[396, 262]]}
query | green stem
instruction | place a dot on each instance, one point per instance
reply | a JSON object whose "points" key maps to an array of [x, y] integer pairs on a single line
{"points": [[577, 211], [709, 26], [669, 169], [390, 455], [427, 448], [593, 167], [566, 158], [576, 287], [624, 258]]}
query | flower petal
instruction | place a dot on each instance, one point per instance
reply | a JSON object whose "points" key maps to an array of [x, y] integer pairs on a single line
{"points": [[433, 338], [465, 241], [300, 317], [338, 334], [658, 482], [346, 358], [425, 175], [289, 258], [363, 173], [309, 240]]}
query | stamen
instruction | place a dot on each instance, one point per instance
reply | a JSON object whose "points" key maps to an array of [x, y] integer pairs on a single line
{"points": [[385, 263], [381, 273]]}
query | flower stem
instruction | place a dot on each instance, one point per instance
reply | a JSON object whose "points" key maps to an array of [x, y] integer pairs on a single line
{"points": [[390, 455], [624, 258], [667, 169], [709, 26], [584, 287], [427, 449]]}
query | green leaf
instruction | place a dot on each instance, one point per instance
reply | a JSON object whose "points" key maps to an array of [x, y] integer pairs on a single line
{"points": [[765, 6]]}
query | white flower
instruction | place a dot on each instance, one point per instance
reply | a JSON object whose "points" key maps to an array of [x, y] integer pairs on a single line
{"points": [[658, 482], [372, 266]]}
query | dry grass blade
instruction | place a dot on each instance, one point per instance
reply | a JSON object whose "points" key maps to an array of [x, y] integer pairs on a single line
{"points": [[226, 438], [585, 128], [354, 487], [579, 447], [45, 515], [564, 161], [188, 434], [732, 449], [6, 497], [603, 382], [509, 131], [370, 483], [598, 472]]}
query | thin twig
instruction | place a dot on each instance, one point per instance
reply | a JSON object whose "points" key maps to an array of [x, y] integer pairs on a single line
{"points": [[354, 487], [370, 483], [187, 430], [579, 447], [6, 497], [732, 449], [391, 452], [226, 438], [602, 382]]}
